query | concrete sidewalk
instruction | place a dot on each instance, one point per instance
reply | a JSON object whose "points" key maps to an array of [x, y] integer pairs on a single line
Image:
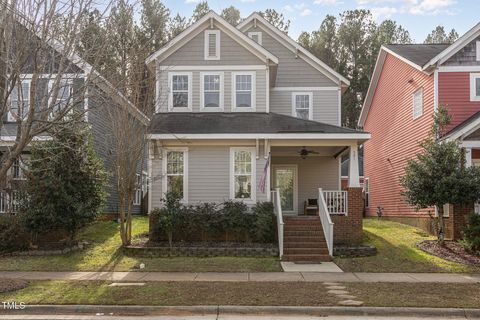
{"points": [[243, 277]]}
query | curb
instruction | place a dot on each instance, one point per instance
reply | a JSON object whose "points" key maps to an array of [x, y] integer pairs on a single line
{"points": [[243, 310]]}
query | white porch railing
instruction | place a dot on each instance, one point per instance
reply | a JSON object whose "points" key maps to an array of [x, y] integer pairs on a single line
{"points": [[336, 201], [327, 223], [277, 206]]}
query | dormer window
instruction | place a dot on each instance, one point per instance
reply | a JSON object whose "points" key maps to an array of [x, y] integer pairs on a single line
{"points": [[256, 36], [212, 45]]}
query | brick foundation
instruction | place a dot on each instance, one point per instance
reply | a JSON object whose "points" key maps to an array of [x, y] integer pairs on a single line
{"points": [[456, 221], [349, 229]]}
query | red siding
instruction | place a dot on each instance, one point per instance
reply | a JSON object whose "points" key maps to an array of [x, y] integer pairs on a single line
{"points": [[395, 135], [454, 93]]}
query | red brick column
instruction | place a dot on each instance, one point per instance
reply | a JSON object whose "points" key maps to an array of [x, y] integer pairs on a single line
{"points": [[457, 219], [349, 229]]}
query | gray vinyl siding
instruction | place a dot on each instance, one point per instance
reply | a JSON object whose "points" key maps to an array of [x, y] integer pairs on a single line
{"points": [[325, 104], [260, 83], [100, 124], [193, 54], [208, 175], [292, 71], [467, 56], [313, 173]]}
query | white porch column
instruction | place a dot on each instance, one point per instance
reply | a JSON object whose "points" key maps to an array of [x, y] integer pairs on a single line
{"points": [[468, 157], [353, 173]]}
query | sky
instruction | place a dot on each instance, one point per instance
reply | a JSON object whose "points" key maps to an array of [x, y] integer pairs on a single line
{"points": [[419, 17]]}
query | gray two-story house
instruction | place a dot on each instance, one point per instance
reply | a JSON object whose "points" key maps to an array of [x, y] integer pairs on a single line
{"points": [[80, 88], [244, 111]]}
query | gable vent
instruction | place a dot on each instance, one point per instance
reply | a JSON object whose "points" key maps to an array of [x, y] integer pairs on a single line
{"points": [[212, 45], [256, 36]]}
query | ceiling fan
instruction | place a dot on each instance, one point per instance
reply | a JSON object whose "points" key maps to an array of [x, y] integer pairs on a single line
{"points": [[304, 152]]}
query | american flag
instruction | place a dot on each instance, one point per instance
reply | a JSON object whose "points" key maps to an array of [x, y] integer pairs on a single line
{"points": [[263, 179]]}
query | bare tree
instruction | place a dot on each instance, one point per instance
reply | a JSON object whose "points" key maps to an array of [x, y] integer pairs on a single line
{"points": [[38, 72]]}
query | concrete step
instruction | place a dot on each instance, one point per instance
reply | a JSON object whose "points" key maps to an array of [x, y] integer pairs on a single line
{"points": [[305, 258]]}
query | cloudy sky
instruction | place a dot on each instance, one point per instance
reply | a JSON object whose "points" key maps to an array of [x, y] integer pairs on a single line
{"points": [[418, 16]]}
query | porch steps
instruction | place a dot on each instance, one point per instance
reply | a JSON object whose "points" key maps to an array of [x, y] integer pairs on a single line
{"points": [[304, 240]]}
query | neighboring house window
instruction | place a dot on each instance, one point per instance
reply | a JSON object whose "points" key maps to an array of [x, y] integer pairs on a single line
{"points": [[244, 93], [256, 36], [18, 168], [474, 86], [212, 45], [211, 91], [417, 103], [478, 50], [180, 98], [366, 191], [19, 101], [175, 167], [446, 210], [65, 87], [302, 105], [242, 177], [137, 199], [3, 202]]}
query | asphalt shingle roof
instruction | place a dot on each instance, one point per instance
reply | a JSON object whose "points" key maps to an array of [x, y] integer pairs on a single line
{"points": [[248, 122], [419, 54]]}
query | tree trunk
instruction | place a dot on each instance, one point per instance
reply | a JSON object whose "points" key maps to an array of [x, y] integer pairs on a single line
{"points": [[441, 226]]}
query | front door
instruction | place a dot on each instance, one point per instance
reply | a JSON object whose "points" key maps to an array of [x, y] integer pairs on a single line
{"points": [[285, 178]]}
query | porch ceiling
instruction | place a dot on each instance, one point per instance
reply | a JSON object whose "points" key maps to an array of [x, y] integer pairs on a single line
{"points": [[283, 151]]}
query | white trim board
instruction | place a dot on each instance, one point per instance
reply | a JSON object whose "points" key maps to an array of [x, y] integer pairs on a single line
{"points": [[207, 33], [305, 88], [253, 195], [273, 136], [213, 68], [185, 170]]}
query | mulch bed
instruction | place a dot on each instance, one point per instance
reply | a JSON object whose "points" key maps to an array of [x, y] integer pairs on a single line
{"points": [[451, 251], [7, 285]]}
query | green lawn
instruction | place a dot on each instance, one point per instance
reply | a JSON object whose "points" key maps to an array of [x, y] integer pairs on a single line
{"points": [[397, 251], [105, 254]]}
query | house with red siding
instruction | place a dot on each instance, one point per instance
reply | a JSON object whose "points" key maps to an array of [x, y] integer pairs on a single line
{"points": [[409, 83]]}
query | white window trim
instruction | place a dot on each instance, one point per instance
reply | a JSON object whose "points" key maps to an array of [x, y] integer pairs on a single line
{"points": [[234, 91], [138, 191], [473, 96], [170, 92], [23, 165], [478, 50], [256, 33], [253, 198], [413, 104], [366, 190], [202, 93], [69, 81], [310, 103], [217, 44], [10, 116], [446, 210], [185, 171]]}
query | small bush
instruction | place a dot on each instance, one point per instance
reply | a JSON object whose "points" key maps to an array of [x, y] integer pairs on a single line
{"points": [[12, 234], [472, 233], [230, 221]]}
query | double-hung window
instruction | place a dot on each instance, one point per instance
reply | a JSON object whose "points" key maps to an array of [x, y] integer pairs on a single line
{"points": [[62, 98], [18, 168], [137, 199], [211, 96], [417, 103], [244, 91], [242, 174], [19, 101], [302, 105], [175, 167], [366, 191], [474, 86], [180, 98]]}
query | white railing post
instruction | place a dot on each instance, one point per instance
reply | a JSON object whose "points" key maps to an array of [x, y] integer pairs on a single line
{"points": [[336, 201], [327, 223], [277, 206]]}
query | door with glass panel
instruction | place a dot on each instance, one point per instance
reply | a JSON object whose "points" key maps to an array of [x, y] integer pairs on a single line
{"points": [[285, 178]]}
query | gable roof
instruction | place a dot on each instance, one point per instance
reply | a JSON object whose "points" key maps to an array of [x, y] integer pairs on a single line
{"points": [[308, 56], [465, 128], [239, 123], [423, 57], [189, 33], [419, 54]]}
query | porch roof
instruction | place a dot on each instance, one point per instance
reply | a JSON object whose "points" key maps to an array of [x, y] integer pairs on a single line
{"points": [[239, 123]]}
